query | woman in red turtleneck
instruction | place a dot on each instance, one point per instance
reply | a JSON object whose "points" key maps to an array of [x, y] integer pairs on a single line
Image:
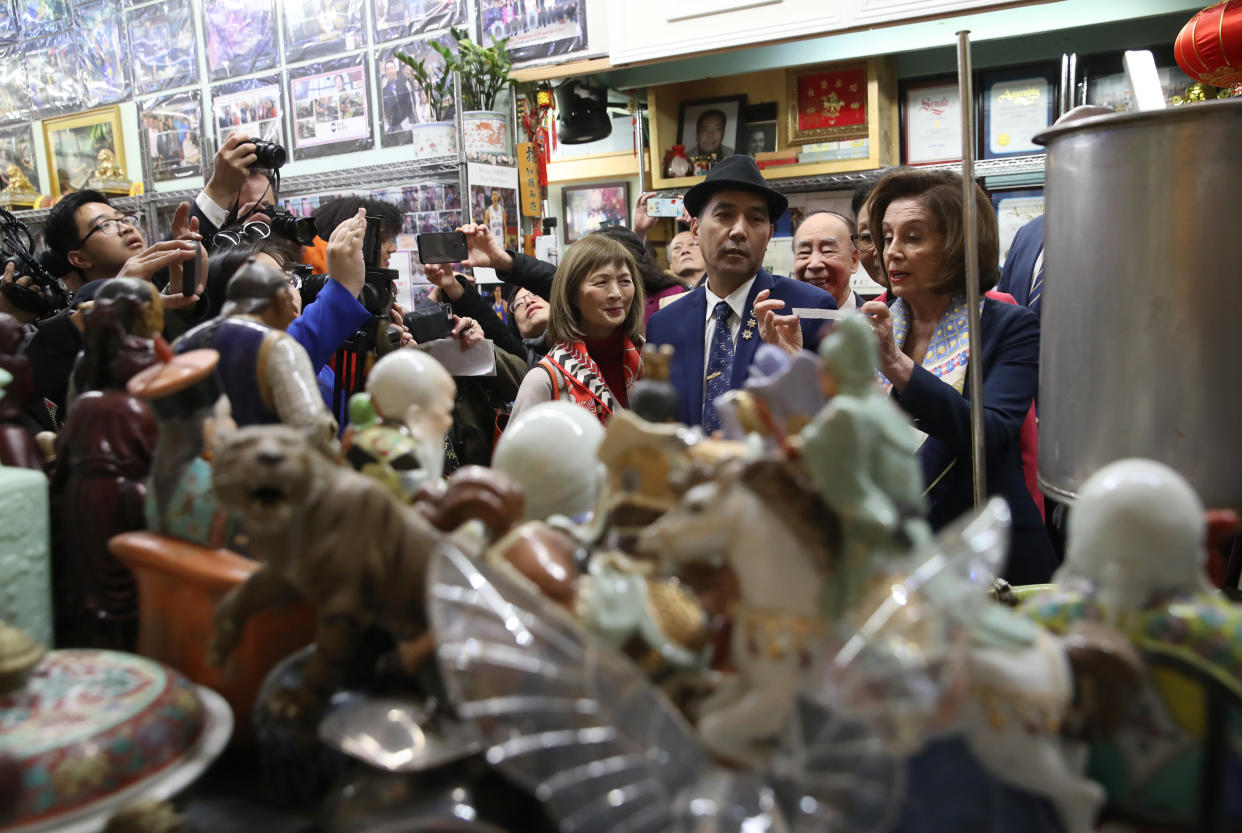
{"points": [[595, 324]]}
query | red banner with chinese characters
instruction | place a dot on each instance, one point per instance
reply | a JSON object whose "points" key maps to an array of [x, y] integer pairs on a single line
{"points": [[831, 99]]}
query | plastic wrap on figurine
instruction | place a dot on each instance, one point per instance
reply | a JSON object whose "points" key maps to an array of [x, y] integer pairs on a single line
{"points": [[1135, 559]]}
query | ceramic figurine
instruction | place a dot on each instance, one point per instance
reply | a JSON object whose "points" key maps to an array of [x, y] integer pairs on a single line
{"points": [[411, 396], [184, 393], [338, 538], [20, 191], [26, 597], [17, 445], [778, 398], [265, 373], [860, 451], [108, 177], [1135, 557], [549, 451], [103, 459], [749, 509], [931, 657]]}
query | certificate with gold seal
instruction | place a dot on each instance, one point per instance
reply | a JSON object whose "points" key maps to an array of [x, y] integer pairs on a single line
{"points": [[1017, 105], [931, 114]]}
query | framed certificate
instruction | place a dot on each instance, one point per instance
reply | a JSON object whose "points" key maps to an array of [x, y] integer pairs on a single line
{"points": [[1015, 207], [826, 102], [931, 122], [1016, 105]]}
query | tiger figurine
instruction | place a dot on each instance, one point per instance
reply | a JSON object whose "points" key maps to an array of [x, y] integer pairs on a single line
{"points": [[334, 536]]}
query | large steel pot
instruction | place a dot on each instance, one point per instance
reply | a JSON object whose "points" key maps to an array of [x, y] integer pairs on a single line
{"points": [[1142, 300]]}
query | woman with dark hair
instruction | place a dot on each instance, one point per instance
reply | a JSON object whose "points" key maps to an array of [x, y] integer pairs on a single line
{"points": [[924, 352], [595, 327]]}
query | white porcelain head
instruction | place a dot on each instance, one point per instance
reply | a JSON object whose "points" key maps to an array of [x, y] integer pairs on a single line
{"points": [[550, 450], [410, 386], [1137, 529]]}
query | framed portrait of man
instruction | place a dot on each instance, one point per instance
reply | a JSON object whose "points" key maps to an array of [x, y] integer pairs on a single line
{"points": [[711, 127]]}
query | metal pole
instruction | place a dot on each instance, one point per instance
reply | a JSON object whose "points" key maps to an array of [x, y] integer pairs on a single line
{"points": [[638, 143], [974, 369], [463, 180]]}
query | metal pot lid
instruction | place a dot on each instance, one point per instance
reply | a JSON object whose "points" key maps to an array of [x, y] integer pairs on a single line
{"points": [[1198, 110], [398, 735]]}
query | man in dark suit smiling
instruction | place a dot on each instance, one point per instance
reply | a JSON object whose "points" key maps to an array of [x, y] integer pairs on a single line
{"points": [[716, 328]]}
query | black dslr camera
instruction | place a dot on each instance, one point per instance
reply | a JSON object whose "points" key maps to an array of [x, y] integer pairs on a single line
{"points": [[270, 155], [300, 230]]}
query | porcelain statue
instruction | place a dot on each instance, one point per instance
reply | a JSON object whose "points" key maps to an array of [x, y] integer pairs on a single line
{"points": [[550, 451]]}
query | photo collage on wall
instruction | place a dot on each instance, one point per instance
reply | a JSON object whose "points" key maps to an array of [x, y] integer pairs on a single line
{"points": [[14, 103], [535, 28], [428, 207], [405, 18], [170, 128], [322, 28], [331, 108], [240, 35], [403, 102], [252, 107], [162, 46], [38, 15], [102, 48], [53, 83]]}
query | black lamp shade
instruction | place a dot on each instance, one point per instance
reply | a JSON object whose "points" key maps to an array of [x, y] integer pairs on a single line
{"points": [[582, 119]]}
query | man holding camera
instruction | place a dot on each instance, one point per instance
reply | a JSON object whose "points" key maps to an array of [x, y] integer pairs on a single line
{"points": [[239, 184]]}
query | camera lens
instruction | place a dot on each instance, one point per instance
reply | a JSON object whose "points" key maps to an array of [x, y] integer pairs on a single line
{"points": [[269, 155]]}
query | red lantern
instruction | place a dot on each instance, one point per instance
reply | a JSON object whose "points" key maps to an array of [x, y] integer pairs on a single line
{"points": [[1209, 47]]}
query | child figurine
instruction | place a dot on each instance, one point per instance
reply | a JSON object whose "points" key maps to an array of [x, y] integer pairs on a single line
{"points": [[860, 451], [185, 394], [411, 398]]}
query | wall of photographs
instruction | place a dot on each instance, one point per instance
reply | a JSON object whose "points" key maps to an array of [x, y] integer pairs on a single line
{"points": [[316, 75]]}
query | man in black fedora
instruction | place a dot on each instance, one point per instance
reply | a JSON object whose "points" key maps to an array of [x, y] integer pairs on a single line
{"points": [[716, 328]]}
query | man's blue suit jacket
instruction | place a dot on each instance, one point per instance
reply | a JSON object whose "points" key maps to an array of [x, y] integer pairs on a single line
{"points": [[683, 323], [1020, 262]]}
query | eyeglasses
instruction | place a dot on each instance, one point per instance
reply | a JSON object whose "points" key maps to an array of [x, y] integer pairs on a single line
{"points": [[863, 240], [249, 233], [297, 273], [517, 305], [112, 227]]}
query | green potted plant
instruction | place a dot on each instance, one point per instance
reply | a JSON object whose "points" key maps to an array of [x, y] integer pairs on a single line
{"points": [[435, 78], [484, 73]]}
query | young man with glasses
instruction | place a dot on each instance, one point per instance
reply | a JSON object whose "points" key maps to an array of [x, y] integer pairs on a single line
{"points": [[88, 242]]}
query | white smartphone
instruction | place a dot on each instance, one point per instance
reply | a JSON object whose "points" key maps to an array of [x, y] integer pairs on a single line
{"points": [[664, 207]]}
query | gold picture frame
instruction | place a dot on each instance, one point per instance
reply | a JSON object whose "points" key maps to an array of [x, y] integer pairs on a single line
{"points": [[73, 143], [827, 102]]}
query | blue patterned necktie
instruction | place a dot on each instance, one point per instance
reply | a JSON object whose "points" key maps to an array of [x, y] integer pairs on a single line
{"points": [[719, 366], [1036, 294]]}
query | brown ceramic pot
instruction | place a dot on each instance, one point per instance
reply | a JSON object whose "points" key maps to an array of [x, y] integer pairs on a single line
{"points": [[179, 585]]}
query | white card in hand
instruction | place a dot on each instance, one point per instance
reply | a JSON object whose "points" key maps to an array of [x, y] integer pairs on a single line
{"points": [[479, 360]]}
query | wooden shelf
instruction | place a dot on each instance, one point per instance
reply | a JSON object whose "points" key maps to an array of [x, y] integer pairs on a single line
{"points": [[550, 72], [602, 166], [664, 103]]}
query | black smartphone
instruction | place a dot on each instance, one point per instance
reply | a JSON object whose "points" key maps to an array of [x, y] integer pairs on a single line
{"points": [[192, 270], [430, 323], [442, 247]]}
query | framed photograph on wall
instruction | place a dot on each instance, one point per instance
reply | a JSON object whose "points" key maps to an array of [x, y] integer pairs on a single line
{"points": [[73, 144], [1016, 104], [322, 28], [162, 47], [17, 147], [826, 102], [759, 133], [711, 127], [931, 122], [171, 128], [331, 107], [406, 18], [534, 29], [241, 37], [588, 208], [253, 106], [1015, 207]]}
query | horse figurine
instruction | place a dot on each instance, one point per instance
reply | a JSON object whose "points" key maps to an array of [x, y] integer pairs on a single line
{"points": [[765, 523]]}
